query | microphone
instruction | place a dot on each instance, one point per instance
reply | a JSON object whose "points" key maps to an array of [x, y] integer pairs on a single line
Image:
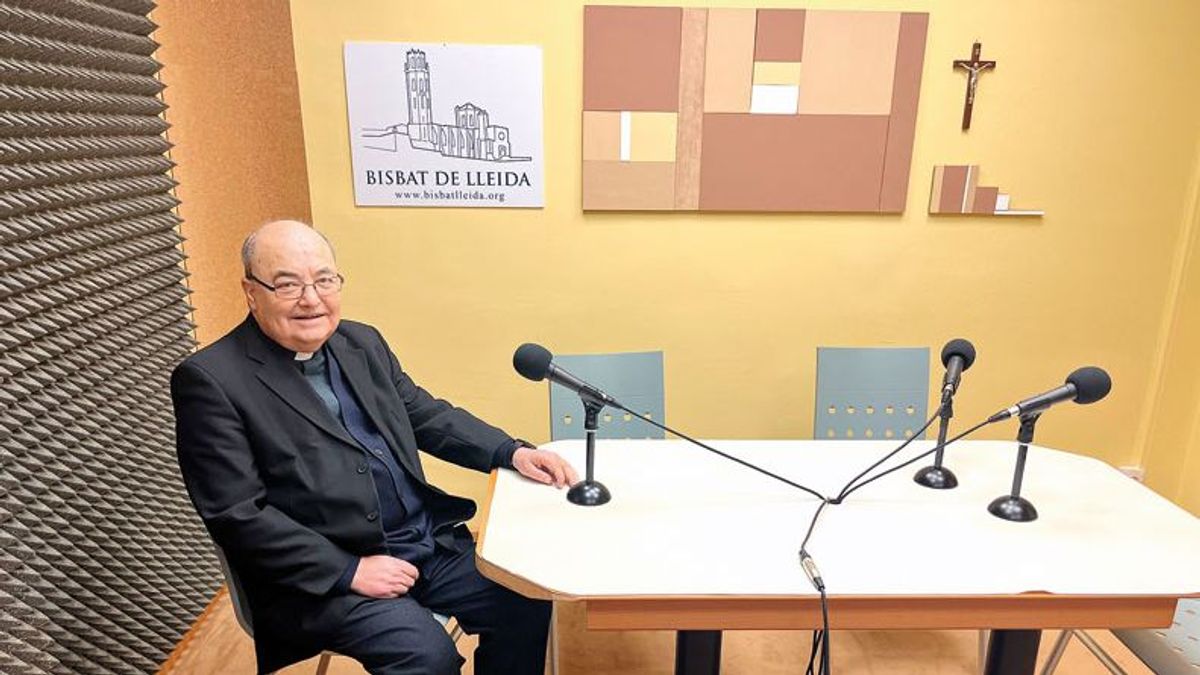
{"points": [[957, 356], [1086, 385], [536, 363]]}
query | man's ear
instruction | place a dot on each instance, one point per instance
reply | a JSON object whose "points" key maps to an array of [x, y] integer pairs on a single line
{"points": [[247, 287]]}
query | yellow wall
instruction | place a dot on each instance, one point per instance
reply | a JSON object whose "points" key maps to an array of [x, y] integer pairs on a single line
{"points": [[1172, 451], [1090, 115]]}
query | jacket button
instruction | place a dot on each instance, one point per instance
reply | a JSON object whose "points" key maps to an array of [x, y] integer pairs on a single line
{"points": [[372, 516], [362, 468]]}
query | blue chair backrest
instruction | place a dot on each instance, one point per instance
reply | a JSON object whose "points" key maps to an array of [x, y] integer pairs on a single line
{"points": [[873, 393], [633, 378], [1170, 651]]}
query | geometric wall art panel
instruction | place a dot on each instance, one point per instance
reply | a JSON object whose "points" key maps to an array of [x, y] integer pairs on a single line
{"points": [[749, 110], [956, 190]]}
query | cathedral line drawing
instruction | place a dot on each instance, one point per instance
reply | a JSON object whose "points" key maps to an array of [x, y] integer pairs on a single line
{"points": [[472, 136]]}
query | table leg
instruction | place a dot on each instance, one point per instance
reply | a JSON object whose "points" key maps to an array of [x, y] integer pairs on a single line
{"points": [[1012, 652], [698, 652]]}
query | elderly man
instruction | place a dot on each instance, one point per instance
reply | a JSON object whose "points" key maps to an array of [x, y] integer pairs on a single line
{"points": [[297, 436]]}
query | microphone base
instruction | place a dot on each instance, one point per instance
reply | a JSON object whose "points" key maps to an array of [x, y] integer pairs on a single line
{"points": [[936, 477], [588, 493], [1017, 509]]}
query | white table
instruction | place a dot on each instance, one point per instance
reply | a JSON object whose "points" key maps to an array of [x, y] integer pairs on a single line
{"points": [[695, 543]]}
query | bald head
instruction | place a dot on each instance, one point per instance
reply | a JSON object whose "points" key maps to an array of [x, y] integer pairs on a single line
{"points": [[273, 232], [282, 258]]}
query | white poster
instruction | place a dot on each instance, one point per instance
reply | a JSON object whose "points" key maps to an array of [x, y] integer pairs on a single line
{"points": [[445, 125]]}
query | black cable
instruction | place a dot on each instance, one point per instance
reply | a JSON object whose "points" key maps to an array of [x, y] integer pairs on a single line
{"points": [[744, 463], [821, 647], [819, 655], [910, 439], [812, 653], [825, 667], [973, 429], [811, 525], [821, 637]]}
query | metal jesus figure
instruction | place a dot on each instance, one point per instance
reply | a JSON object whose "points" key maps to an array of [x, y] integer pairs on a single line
{"points": [[974, 67]]}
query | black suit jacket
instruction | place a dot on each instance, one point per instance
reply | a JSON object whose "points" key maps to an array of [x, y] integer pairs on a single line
{"points": [[279, 482]]}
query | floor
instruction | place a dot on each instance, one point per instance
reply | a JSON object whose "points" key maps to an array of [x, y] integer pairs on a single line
{"points": [[219, 646]]}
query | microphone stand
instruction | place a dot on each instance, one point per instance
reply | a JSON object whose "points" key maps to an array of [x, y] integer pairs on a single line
{"points": [[1013, 506], [589, 491], [937, 476]]}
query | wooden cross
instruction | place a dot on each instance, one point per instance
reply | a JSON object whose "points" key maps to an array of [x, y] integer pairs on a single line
{"points": [[974, 67]]}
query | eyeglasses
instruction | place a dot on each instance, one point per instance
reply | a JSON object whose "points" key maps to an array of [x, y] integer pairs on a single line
{"points": [[292, 290]]}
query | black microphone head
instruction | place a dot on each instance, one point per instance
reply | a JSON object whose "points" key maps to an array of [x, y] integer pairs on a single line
{"points": [[959, 347], [532, 361], [1091, 384]]}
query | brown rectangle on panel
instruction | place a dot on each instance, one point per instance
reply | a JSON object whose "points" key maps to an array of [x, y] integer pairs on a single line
{"points": [[729, 60], [906, 87], [953, 183], [792, 162], [779, 35], [631, 58], [935, 192], [985, 200], [691, 109], [628, 186]]}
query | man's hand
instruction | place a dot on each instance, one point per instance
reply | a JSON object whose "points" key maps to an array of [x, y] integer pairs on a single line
{"points": [[544, 467], [382, 576]]}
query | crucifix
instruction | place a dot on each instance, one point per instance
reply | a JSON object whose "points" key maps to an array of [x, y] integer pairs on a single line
{"points": [[974, 67]]}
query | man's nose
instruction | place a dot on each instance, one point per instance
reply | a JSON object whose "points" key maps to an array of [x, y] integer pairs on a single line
{"points": [[309, 296]]}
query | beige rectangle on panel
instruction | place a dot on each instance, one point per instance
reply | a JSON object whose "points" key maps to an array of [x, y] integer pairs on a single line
{"points": [[935, 193], [628, 186], [777, 72], [729, 60], [652, 136], [691, 108], [849, 62], [601, 135]]}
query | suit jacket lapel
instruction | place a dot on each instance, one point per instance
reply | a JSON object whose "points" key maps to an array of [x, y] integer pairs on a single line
{"points": [[354, 367], [281, 376]]}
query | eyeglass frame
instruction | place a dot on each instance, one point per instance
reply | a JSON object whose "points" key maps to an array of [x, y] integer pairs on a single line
{"points": [[275, 289]]}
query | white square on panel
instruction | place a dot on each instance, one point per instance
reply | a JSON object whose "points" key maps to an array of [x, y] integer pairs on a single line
{"points": [[774, 99], [1002, 202]]}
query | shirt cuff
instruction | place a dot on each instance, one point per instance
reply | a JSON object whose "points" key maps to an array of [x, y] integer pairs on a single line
{"points": [[342, 587], [502, 458]]}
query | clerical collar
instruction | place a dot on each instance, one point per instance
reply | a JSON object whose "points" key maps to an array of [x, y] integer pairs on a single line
{"points": [[311, 363]]}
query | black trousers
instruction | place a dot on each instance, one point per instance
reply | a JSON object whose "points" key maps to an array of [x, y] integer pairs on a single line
{"points": [[399, 636]]}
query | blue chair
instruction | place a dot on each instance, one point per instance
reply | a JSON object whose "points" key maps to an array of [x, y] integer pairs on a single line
{"points": [[1170, 651], [633, 378], [871, 393]]}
